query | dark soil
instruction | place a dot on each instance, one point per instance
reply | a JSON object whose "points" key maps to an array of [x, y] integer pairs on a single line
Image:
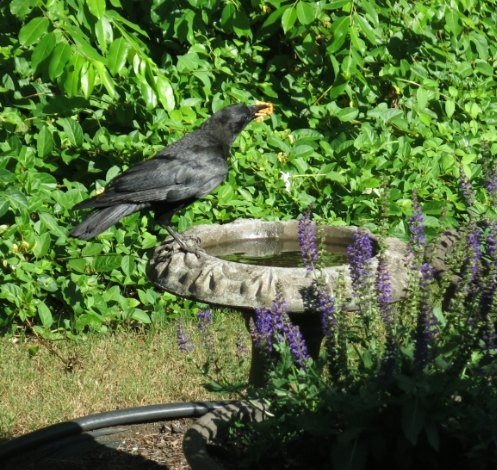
{"points": [[132, 447]]}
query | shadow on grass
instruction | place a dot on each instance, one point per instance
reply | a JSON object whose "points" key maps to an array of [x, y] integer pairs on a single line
{"points": [[92, 450]]}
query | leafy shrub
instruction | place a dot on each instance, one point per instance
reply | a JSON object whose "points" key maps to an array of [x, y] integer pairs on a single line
{"points": [[368, 95]]}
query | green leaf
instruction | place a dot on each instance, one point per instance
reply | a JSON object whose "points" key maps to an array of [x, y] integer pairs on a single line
{"points": [[450, 107], [22, 8], [77, 264], [4, 207], [288, 19], [105, 79], [42, 245], [340, 30], [72, 130], [43, 49], [118, 54], [103, 264], [87, 79], [16, 199], [141, 316], [104, 33], [52, 225], [72, 74], [413, 420], [366, 29], [306, 12], [45, 143], [61, 54], [148, 95], [165, 92], [433, 435], [128, 265], [44, 314], [347, 114], [34, 30], [96, 7]]}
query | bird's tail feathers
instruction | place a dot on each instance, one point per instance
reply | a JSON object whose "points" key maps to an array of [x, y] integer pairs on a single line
{"points": [[102, 219]]}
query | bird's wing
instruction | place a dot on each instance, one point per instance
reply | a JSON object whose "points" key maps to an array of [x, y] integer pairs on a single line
{"points": [[164, 178]]}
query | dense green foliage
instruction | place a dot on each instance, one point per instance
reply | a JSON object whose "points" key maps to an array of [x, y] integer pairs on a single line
{"points": [[368, 95]]}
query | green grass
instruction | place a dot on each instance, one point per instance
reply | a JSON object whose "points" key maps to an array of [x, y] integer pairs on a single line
{"points": [[43, 384]]}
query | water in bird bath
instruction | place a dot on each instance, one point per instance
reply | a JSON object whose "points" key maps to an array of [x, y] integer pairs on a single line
{"points": [[275, 252]]}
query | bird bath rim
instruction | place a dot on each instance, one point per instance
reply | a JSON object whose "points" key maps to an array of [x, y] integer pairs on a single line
{"points": [[207, 278]]}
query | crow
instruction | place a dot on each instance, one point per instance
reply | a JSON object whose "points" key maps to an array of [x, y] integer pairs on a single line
{"points": [[178, 175]]}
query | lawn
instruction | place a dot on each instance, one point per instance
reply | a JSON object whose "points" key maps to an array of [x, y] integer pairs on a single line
{"points": [[44, 383]]}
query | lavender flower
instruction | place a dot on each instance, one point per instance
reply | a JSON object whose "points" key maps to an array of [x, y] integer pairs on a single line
{"points": [[491, 182], [274, 325], [417, 239], [328, 317], [384, 291], [466, 188], [183, 338], [306, 232], [204, 320], [261, 330], [297, 345], [359, 257]]}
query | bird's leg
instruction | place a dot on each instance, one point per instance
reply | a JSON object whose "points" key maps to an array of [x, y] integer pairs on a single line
{"points": [[181, 242]]}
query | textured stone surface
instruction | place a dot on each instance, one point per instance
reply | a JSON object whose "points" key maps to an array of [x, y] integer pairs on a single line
{"points": [[212, 280]]}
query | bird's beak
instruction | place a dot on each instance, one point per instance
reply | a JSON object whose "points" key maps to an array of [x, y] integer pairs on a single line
{"points": [[262, 109]]}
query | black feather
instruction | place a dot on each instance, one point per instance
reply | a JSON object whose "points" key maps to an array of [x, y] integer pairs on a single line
{"points": [[181, 173]]}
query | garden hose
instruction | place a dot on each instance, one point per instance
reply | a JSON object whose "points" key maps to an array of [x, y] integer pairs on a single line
{"points": [[142, 414]]}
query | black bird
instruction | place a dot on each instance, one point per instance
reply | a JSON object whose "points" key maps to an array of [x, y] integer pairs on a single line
{"points": [[174, 178]]}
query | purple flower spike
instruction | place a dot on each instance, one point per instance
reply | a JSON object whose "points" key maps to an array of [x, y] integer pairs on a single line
{"points": [[384, 291], [306, 232], [359, 256], [297, 344], [416, 227], [328, 317], [183, 338], [261, 330], [275, 325], [491, 183], [204, 320]]}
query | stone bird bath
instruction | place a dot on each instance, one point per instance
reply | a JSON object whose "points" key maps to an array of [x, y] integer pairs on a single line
{"points": [[206, 277]]}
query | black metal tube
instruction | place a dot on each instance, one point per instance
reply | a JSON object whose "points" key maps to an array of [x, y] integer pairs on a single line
{"points": [[142, 414]]}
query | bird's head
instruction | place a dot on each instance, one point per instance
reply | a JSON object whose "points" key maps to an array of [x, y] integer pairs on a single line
{"points": [[231, 120]]}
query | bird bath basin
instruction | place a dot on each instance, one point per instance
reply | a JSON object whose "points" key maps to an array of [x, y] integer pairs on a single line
{"points": [[209, 278], [254, 279]]}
